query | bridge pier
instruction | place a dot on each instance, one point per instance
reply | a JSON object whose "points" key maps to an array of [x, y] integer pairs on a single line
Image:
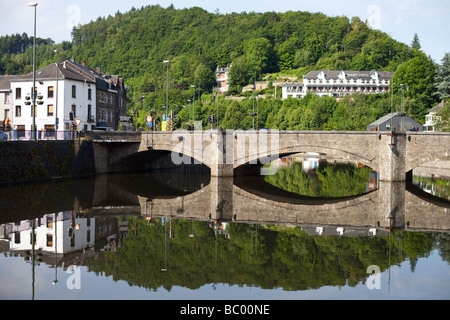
{"points": [[392, 158], [221, 198]]}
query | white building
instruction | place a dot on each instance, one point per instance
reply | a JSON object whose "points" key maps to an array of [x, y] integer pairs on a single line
{"points": [[58, 103], [222, 78], [5, 100], [339, 83], [69, 96], [432, 118], [62, 233]]}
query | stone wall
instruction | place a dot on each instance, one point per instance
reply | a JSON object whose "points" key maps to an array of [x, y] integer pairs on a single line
{"points": [[34, 161]]}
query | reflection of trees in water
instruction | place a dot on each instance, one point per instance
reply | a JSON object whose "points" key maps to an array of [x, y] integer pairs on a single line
{"points": [[255, 255], [338, 180]]}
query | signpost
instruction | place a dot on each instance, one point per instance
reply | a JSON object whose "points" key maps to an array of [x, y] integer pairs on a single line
{"points": [[149, 120]]}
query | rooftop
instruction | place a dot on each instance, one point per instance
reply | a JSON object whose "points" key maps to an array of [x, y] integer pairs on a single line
{"points": [[349, 74]]}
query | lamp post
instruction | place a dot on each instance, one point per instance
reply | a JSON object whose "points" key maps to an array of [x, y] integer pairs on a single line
{"points": [[189, 114], [167, 89], [402, 112], [193, 105], [33, 111], [56, 93]]}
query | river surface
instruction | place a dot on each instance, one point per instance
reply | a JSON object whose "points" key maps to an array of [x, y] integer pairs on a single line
{"points": [[193, 237]]}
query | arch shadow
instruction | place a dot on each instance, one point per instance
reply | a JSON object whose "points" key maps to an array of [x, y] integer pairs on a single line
{"points": [[421, 194], [157, 161]]}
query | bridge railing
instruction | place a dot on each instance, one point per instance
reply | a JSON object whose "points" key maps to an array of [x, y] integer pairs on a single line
{"points": [[25, 135]]}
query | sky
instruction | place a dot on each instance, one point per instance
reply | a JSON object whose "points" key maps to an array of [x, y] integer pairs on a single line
{"points": [[401, 19]]}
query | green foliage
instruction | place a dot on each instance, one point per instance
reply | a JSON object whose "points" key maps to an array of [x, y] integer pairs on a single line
{"points": [[265, 256], [442, 80], [443, 121], [134, 44], [330, 181], [417, 75]]}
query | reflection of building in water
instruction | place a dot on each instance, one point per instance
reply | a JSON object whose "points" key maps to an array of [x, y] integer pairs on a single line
{"points": [[66, 235], [348, 231], [434, 178], [374, 181], [61, 232], [311, 163], [221, 228]]}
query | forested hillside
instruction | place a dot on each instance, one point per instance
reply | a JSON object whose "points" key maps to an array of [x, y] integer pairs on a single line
{"points": [[134, 45]]}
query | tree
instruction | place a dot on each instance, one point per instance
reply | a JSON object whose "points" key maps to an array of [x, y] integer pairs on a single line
{"points": [[257, 52], [415, 43], [204, 77], [443, 124], [417, 75], [236, 117], [442, 81], [240, 73]]}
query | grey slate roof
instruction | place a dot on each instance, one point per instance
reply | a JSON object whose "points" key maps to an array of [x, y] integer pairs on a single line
{"points": [[49, 73], [5, 82], [437, 108], [349, 74], [383, 119]]}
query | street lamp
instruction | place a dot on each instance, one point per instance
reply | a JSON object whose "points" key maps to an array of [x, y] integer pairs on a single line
{"points": [[33, 111], [56, 111], [167, 92], [189, 113], [402, 112], [193, 105]]}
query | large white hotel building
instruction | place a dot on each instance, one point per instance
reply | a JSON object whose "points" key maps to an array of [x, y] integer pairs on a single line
{"points": [[339, 83]]}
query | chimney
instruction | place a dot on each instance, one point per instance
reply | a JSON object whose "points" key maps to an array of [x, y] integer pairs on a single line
{"points": [[83, 63], [98, 70]]}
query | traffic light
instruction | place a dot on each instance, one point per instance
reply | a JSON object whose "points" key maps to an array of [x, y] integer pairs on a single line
{"points": [[212, 119], [71, 116]]}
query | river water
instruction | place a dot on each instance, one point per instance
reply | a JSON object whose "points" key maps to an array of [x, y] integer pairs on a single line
{"points": [[167, 237]]}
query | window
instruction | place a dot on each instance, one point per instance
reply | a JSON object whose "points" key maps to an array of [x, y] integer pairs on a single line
{"points": [[17, 237], [74, 108], [89, 94], [89, 117], [74, 91], [49, 240], [50, 110], [18, 93], [18, 111], [49, 222], [50, 92]]}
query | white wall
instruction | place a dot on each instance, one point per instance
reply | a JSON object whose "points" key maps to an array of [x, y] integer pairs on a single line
{"points": [[65, 102]]}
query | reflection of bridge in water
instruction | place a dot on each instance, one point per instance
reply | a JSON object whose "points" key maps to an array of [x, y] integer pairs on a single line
{"points": [[392, 206]]}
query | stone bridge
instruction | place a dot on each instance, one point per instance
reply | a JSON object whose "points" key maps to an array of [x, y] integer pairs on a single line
{"points": [[226, 153]]}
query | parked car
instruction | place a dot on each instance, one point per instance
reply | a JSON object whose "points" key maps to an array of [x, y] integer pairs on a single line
{"points": [[101, 125], [3, 136]]}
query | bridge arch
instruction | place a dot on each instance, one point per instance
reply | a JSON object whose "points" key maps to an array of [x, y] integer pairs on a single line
{"points": [[149, 160], [306, 151]]}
